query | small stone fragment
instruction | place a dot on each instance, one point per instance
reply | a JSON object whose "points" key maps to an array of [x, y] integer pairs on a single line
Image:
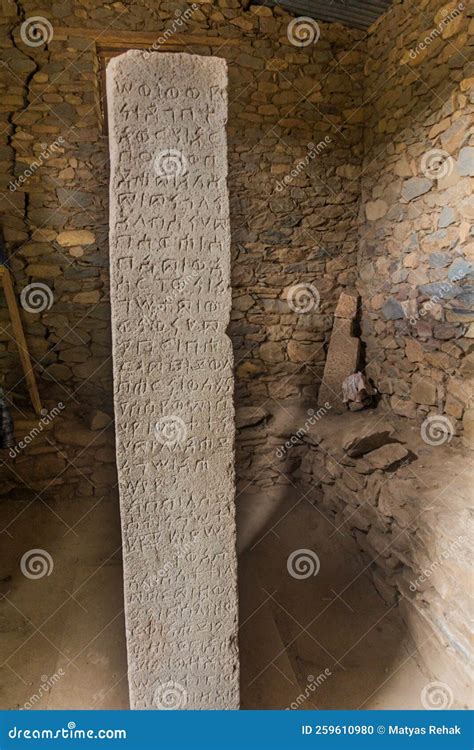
{"points": [[347, 306], [247, 416], [392, 310], [466, 161], [342, 360], [75, 237], [424, 392], [375, 209], [387, 456], [415, 187], [372, 438], [98, 420]]}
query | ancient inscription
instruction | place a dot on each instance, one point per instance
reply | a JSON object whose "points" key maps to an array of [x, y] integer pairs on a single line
{"points": [[173, 384]]}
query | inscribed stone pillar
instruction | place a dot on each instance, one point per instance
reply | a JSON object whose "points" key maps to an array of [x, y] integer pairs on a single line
{"points": [[343, 354], [173, 383]]}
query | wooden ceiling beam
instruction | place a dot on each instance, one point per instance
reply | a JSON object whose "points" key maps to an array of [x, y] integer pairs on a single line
{"points": [[111, 39]]}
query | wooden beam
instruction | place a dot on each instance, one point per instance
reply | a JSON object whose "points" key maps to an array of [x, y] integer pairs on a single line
{"points": [[20, 338], [109, 39]]}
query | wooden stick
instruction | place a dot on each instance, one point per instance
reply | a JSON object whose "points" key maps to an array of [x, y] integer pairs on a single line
{"points": [[117, 39], [20, 338]]}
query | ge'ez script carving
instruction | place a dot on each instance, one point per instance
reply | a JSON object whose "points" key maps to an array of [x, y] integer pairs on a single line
{"points": [[173, 384]]}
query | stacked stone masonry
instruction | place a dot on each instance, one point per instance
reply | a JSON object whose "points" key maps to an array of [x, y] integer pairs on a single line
{"points": [[350, 169], [294, 149], [380, 481], [417, 209]]}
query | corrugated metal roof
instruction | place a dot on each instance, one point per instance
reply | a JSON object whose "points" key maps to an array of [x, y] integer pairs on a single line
{"points": [[356, 13]]}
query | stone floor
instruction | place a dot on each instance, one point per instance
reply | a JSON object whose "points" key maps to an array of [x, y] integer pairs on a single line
{"points": [[62, 635]]}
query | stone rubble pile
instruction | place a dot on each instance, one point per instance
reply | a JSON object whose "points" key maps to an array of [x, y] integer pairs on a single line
{"points": [[380, 482]]}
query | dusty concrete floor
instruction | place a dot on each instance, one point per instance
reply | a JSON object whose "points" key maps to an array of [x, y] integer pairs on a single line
{"points": [[442, 480], [62, 637], [327, 641]]}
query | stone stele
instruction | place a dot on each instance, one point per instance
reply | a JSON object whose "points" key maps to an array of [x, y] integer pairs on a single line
{"points": [[173, 382], [341, 361]]}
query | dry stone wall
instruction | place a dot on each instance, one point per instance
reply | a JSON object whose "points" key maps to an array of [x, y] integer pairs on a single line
{"points": [[382, 483], [417, 244], [304, 123], [415, 265], [295, 143]]}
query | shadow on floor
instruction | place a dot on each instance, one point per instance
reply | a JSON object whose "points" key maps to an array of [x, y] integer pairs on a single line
{"points": [[320, 636], [322, 641], [62, 634]]}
